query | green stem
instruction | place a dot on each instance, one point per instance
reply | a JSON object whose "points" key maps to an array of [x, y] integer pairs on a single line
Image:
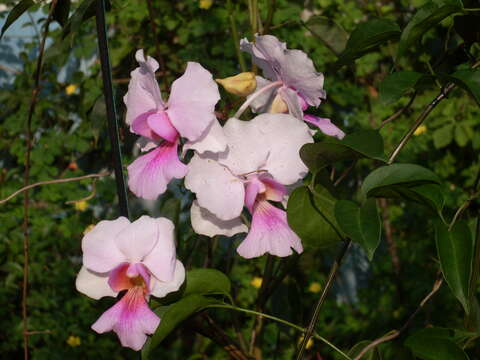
{"points": [[234, 31], [285, 322]]}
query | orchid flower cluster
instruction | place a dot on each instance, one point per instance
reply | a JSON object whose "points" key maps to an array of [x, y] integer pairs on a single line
{"points": [[239, 171]]}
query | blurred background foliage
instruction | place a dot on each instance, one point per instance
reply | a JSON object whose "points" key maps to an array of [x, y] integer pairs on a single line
{"points": [[70, 139]]}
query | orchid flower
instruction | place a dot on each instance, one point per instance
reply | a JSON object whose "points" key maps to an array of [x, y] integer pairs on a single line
{"points": [[138, 258], [261, 161], [188, 113], [292, 86]]}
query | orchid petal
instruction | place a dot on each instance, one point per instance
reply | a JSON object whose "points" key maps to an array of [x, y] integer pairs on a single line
{"points": [[130, 318], [138, 240], [140, 126], [325, 125], [94, 285], [160, 125], [143, 92], [216, 188], [253, 188], [150, 174], [213, 140], [118, 279], [269, 233], [205, 223], [262, 102], [162, 288], [267, 52], [292, 100], [247, 146], [160, 261], [298, 72], [274, 190], [192, 101], [100, 254]]}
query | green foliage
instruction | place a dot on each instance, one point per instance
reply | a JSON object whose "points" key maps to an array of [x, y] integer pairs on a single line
{"points": [[16, 12], [455, 251], [361, 224], [397, 84]]}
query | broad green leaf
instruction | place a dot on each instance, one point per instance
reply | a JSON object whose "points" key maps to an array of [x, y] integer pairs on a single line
{"points": [[461, 135], [366, 37], [174, 315], [395, 85], [207, 282], [85, 11], [397, 174], [361, 224], [443, 136], [62, 10], [311, 216], [15, 13], [429, 15], [407, 181], [329, 32], [372, 354], [455, 249], [431, 344], [468, 79], [363, 143]]}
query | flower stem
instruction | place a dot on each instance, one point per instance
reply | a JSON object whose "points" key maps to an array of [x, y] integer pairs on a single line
{"points": [[254, 96], [285, 322]]}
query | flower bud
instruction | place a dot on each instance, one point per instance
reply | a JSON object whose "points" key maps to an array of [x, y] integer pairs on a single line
{"points": [[242, 84], [278, 106]]}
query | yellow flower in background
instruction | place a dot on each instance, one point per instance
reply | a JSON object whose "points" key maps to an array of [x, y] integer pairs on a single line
{"points": [[74, 341], [88, 228], [205, 4], [256, 282], [242, 84], [309, 342], [70, 89], [315, 287], [81, 205], [420, 130]]}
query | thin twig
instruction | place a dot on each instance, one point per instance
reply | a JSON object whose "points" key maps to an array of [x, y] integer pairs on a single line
{"points": [[399, 112], [26, 176], [345, 173], [234, 34], [328, 285], [89, 196], [56, 181], [268, 20], [462, 208], [397, 333]]}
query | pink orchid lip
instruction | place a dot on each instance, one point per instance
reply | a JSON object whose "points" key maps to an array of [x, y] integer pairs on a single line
{"points": [[127, 276], [155, 125], [259, 187]]}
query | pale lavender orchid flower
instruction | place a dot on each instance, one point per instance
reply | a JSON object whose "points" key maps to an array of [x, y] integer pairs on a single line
{"points": [[138, 258], [261, 160], [188, 113], [293, 83]]}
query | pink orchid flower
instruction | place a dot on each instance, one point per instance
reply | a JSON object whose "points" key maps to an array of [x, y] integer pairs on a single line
{"points": [[293, 83], [138, 258], [188, 113], [261, 160]]}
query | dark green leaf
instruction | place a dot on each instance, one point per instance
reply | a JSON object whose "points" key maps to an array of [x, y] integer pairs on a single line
{"points": [[207, 282], [372, 354], [397, 174], [85, 11], [363, 143], [366, 37], [174, 315], [329, 32], [407, 181], [468, 80], [426, 18], [15, 13], [394, 86], [455, 249], [61, 12], [311, 216], [431, 344], [361, 224]]}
